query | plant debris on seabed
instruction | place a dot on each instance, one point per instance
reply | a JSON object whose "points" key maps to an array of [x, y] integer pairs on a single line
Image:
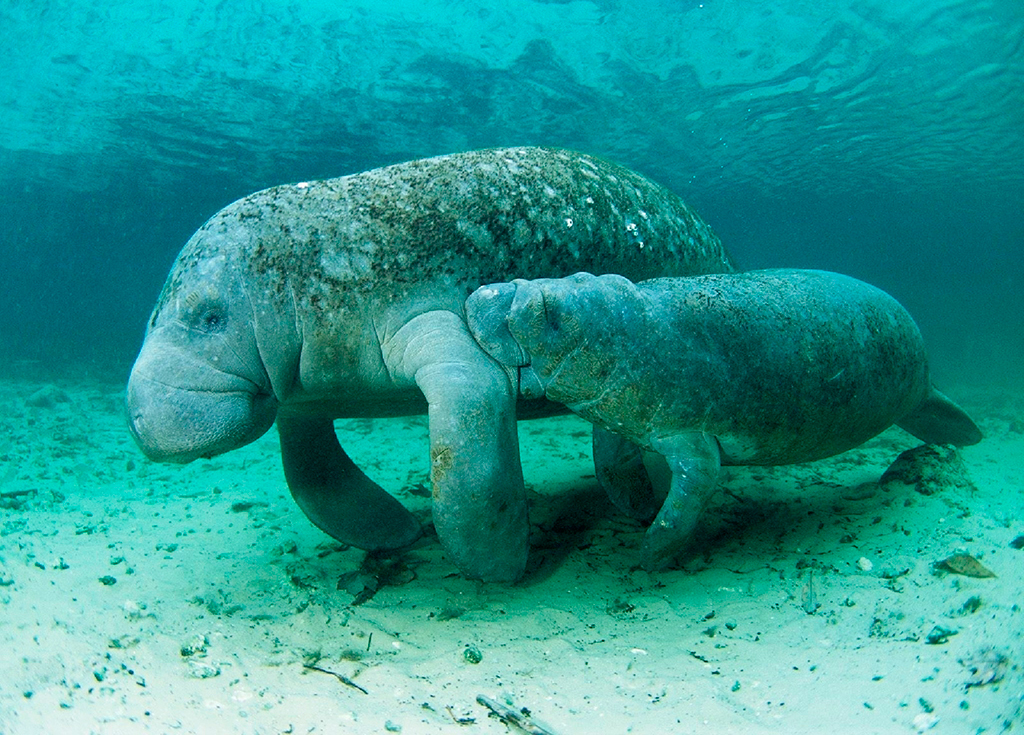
{"points": [[374, 574], [987, 666], [517, 718], [966, 565]]}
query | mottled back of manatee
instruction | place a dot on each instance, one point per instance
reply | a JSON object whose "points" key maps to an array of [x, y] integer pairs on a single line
{"points": [[403, 231], [811, 363]]}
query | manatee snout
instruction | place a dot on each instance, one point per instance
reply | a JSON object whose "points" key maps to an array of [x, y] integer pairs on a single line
{"points": [[510, 321], [544, 320], [487, 314], [215, 413], [533, 327], [514, 321]]}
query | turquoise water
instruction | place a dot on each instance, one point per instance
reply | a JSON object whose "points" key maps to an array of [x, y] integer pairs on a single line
{"points": [[881, 139]]}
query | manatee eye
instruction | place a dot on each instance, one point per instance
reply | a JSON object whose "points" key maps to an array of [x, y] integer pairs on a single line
{"points": [[213, 320], [205, 314]]}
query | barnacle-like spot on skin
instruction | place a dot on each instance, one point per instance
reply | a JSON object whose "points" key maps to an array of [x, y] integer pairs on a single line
{"points": [[442, 457]]}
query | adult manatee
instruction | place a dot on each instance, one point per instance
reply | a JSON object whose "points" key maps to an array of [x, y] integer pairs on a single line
{"points": [[345, 298], [759, 368]]}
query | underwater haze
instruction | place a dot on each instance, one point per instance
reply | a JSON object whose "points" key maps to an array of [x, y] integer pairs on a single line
{"points": [[881, 139]]}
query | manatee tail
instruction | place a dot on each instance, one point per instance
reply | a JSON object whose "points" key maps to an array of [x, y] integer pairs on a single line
{"points": [[937, 420]]}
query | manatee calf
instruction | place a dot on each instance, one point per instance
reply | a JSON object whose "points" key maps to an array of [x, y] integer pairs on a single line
{"points": [[758, 368], [345, 298]]}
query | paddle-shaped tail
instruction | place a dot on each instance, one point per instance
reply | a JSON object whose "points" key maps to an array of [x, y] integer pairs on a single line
{"points": [[937, 420]]}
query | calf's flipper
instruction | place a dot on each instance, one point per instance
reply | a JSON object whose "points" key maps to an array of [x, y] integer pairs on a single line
{"points": [[694, 461], [619, 465]]}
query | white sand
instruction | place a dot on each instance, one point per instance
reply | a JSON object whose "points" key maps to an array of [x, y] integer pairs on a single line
{"points": [[587, 643]]}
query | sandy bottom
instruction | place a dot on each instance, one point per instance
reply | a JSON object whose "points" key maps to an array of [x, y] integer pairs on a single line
{"points": [[137, 597]]}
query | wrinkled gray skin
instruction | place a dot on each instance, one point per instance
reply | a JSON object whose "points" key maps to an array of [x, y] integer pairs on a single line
{"points": [[759, 368], [345, 298]]}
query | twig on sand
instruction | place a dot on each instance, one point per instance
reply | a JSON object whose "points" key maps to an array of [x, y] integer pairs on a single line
{"points": [[343, 679], [460, 720], [513, 717]]}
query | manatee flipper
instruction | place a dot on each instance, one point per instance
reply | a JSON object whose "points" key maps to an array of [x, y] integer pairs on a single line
{"points": [[937, 420], [694, 460], [479, 501], [619, 465], [335, 494]]}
